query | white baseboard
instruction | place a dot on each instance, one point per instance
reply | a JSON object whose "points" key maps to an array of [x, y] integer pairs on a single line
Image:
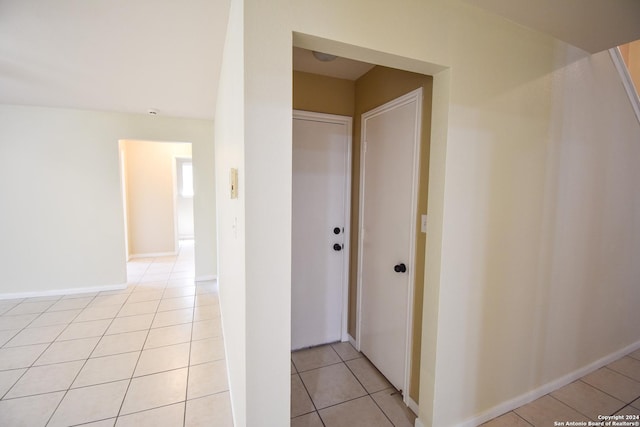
{"points": [[418, 423], [206, 278], [69, 291], [525, 398], [153, 255]]}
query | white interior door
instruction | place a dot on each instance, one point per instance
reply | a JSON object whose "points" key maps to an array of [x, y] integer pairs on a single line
{"points": [[389, 172], [320, 213]]}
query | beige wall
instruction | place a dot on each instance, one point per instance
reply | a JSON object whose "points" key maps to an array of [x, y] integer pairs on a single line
{"points": [[151, 195], [631, 55], [62, 213], [530, 277], [322, 94]]}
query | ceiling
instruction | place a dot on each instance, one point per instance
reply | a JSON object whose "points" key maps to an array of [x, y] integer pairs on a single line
{"points": [[137, 55], [592, 25], [341, 68], [113, 55]]}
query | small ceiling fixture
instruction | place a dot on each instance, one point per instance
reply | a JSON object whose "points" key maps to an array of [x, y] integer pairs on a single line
{"points": [[152, 111], [323, 57]]}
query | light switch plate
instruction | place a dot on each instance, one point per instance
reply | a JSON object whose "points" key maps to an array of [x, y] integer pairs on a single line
{"points": [[233, 181]]}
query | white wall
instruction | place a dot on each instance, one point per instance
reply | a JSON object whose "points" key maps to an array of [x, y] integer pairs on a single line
{"points": [[204, 204], [151, 195], [62, 216], [230, 215], [255, 229], [532, 203]]}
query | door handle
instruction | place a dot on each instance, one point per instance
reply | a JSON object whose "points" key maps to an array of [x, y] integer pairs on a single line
{"points": [[400, 268], [337, 247]]}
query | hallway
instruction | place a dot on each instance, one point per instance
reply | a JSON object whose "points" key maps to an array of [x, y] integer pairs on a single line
{"points": [[149, 355]]}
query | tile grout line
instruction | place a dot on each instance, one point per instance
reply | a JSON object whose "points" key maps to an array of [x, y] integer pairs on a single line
{"points": [[625, 404], [89, 356], [129, 299], [81, 368], [569, 406], [610, 395], [124, 396], [518, 415], [316, 369], [111, 382], [344, 361], [186, 391], [367, 391], [618, 372], [310, 398], [43, 351], [28, 324], [93, 350], [120, 353], [305, 386]]}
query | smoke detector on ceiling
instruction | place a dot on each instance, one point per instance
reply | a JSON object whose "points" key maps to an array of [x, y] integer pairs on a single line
{"points": [[152, 111]]}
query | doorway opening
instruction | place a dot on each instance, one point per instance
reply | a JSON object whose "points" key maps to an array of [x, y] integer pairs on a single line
{"points": [[184, 198], [352, 89], [157, 193]]}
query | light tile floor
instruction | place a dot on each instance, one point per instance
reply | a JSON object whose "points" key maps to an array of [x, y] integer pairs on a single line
{"points": [[149, 355], [611, 390], [335, 386]]}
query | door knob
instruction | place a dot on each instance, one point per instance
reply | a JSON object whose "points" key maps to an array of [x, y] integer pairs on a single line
{"points": [[337, 247], [400, 268]]}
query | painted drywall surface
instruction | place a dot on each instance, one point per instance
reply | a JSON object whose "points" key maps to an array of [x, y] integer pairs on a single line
{"points": [[230, 213], [531, 218], [253, 117], [631, 55], [151, 195], [204, 206], [322, 94], [268, 175], [520, 105], [63, 224]]}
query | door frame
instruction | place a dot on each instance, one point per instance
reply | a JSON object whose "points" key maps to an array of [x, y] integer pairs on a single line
{"points": [[348, 122], [413, 96]]}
